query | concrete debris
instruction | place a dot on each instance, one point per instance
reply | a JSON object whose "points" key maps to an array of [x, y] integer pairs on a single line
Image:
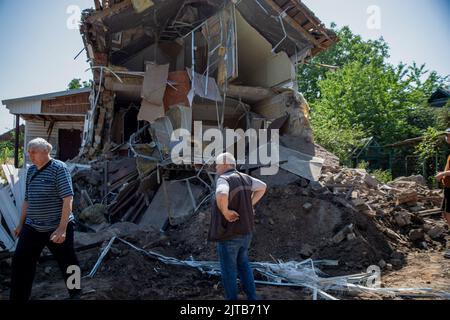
{"points": [[159, 67], [416, 234], [341, 235], [402, 218], [436, 232], [94, 214], [304, 274]]}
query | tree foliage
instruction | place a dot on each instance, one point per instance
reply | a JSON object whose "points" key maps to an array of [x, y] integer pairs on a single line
{"points": [[366, 96], [77, 84]]}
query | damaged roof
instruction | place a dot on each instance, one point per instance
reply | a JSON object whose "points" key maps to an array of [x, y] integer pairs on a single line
{"points": [[47, 96], [287, 24]]}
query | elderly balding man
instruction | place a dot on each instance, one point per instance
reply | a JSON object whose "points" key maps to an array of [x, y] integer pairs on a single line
{"points": [[232, 223], [46, 220]]}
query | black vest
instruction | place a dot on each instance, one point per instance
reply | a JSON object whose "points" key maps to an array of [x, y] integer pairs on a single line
{"points": [[239, 200]]}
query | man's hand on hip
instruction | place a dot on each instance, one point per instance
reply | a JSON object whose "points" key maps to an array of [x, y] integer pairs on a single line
{"points": [[231, 216]]}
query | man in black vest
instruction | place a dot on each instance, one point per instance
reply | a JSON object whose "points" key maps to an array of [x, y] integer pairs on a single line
{"points": [[232, 223]]}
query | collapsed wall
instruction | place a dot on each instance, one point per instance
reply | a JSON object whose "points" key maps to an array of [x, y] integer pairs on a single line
{"points": [[229, 65]]}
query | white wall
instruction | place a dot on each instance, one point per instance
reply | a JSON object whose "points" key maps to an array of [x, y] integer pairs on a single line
{"points": [[258, 66]]}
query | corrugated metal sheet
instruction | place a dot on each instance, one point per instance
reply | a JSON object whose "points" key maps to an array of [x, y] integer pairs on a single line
{"points": [[47, 95], [38, 129], [25, 107]]}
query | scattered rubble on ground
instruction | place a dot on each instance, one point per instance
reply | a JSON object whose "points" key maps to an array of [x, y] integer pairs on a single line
{"points": [[346, 216], [153, 76]]}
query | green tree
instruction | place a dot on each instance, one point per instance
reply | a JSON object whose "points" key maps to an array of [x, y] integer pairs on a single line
{"points": [[366, 96], [77, 84], [350, 48]]}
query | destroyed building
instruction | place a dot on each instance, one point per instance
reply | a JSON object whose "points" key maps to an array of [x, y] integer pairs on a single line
{"points": [[160, 65], [226, 63]]}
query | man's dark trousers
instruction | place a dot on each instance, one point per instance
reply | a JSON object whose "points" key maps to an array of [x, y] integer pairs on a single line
{"points": [[29, 248]]}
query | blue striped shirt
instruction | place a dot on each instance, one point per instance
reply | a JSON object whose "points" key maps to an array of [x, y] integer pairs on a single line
{"points": [[45, 195]]}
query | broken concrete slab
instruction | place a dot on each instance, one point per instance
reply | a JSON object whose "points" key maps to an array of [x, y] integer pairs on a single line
{"points": [[145, 166], [120, 229], [150, 112], [153, 89], [181, 117], [155, 82], [282, 178], [301, 164], [162, 131], [174, 201], [248, 94]]}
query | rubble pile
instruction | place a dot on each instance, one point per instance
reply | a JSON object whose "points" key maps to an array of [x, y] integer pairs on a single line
{"points": [[405, 209], [173, 64], [358, 223]]}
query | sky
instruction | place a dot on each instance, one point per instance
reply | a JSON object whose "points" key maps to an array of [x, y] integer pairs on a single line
{"points": [[39, 39]]}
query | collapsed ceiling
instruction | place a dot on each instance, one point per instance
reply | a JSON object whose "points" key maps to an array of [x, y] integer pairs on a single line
{"points": [[122, 30]]}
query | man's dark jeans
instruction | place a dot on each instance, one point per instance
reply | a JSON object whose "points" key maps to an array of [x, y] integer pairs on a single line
{"points": [[233, 255], [29, 248]]}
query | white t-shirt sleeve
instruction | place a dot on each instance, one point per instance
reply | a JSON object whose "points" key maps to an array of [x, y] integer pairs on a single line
{"points": [[257, 184], [222, 186]]}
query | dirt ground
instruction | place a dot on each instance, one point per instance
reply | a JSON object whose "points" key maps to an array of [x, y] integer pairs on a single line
{"points": [[128, 275], [283, 231]]}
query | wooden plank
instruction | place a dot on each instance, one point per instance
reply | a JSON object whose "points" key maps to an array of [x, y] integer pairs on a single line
{"points": [[429, 212], [17, 181], [409, 197], [8, 209], [5, 238]]}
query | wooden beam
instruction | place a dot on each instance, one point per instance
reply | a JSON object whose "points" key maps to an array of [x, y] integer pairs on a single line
{"points": [[294, 24], [16, 144]]}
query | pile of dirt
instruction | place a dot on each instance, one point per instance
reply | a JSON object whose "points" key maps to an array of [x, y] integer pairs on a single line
{"points": [[295, 223], [347, 216]]}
